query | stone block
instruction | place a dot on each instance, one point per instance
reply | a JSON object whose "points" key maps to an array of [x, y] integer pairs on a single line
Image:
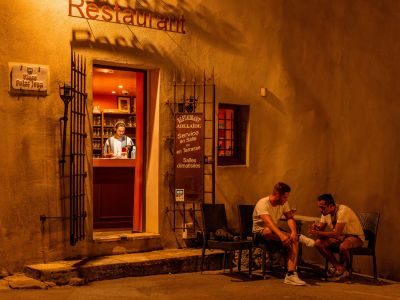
{"points": [[20, 281]]}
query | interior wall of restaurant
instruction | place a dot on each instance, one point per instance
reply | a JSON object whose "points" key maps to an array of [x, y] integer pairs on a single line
{"points": [[105, 101], [327, 124]]}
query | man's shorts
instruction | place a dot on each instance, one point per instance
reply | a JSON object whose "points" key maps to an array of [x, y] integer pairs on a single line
{"points": [[342, 238], [258, 237]]}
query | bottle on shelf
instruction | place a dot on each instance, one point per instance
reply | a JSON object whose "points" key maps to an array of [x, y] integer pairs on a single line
{"points": [[133, 152]]}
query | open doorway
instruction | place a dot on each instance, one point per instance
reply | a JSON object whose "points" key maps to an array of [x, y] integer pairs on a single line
{"points": [[118, 147]]}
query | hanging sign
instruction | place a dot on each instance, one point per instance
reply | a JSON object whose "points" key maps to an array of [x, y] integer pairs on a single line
{"points": [[28, 78], [189, 132], [113, 13]]}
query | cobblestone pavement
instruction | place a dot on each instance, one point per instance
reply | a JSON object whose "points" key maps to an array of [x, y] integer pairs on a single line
{"points": [[213, 285]]}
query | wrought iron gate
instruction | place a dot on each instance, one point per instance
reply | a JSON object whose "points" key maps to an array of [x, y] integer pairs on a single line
{"points": [[77, 213], [190, 96]]}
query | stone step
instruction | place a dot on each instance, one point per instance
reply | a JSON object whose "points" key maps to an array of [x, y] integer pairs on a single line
{"points": [[123, 242], [125, 265]]}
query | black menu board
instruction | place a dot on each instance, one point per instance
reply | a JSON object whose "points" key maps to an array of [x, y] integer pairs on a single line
{"points": [[189, 143]]}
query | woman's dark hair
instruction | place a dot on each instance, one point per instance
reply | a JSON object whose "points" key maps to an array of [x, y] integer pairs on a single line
{"points": [[328, 198], [282, 188]]}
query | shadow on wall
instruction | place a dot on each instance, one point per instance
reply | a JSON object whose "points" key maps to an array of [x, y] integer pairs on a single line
{"points": [[273, 101], [146, 52], [306, 58], [202, 23], [211, 28]]}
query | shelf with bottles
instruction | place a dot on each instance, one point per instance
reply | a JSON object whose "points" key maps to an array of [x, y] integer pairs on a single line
{"points": [[97, 132], [110, 119], [97, 144], [109, 126]]}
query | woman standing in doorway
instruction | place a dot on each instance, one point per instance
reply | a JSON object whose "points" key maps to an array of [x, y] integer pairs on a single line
{"points": [[119, 145]]}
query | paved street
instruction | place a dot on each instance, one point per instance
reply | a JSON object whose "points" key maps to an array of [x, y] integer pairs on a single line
{"points": [[212, 285]]}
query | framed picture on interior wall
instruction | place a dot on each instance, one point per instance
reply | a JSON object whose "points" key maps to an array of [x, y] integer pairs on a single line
{"points": [[124, 103]]}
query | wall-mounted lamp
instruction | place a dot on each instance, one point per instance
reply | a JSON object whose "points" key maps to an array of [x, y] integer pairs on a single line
{"points": [[65, 91], [263, 92]]}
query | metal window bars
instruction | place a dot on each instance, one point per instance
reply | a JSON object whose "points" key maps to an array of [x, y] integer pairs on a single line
{"points": [[194, 96], [77, 139], [77, 213]]}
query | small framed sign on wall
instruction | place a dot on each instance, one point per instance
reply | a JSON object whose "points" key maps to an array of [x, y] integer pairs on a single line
{"points": [[124, 103], [29, 79]]}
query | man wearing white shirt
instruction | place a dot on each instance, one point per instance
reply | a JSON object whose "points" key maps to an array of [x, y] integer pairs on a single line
{"points": [[339, 225], [266, 215]]}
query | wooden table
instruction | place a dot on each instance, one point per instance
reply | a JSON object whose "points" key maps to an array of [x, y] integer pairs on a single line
{"points": [[301, 220]]}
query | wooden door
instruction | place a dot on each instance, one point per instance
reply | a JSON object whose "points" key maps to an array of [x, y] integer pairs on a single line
{"points": [[113, 190]]}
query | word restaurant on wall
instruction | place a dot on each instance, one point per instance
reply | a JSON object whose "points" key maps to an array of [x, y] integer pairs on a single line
{"points": [[125, 15]]}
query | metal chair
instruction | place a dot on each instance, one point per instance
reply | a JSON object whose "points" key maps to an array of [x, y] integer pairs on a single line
{"points": [[369, 222], [246, 230], [214, 218]]}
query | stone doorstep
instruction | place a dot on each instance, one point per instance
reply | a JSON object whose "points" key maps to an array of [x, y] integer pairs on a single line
{"points": [[125, 265], [114, 236], [123, 242]]}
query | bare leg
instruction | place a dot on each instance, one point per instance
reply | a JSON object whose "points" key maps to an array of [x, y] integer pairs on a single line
{"points": [[292, 259], [322, 246], [345, 246], [269, 235], [293, 248]]}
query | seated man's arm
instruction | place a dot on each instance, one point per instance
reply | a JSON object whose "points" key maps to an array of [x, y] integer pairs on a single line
{"points": [[270, 224], [292, 225], [335, 233], [321, 226]]}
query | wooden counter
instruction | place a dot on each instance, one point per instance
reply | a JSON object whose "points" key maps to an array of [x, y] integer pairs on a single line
{"points": [[113, 192], [114, 163]]}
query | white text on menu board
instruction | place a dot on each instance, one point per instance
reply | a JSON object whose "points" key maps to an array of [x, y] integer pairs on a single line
{"points": [[186, 138]]}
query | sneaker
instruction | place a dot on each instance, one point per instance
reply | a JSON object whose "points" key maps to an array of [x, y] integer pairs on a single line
{"points": [[293, 279], [306, 241], [344, 276], [331, 271]]}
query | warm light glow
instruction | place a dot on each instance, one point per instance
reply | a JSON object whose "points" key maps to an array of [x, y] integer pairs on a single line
{"points": [[113, 92], [120, 86], [106, 71]]}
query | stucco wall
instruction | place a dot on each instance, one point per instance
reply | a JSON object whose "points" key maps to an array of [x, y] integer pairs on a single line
{"points": [[328, 123]]}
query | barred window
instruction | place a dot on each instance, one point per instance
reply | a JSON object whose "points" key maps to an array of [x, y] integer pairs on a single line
{"points": [[232, 126]]}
